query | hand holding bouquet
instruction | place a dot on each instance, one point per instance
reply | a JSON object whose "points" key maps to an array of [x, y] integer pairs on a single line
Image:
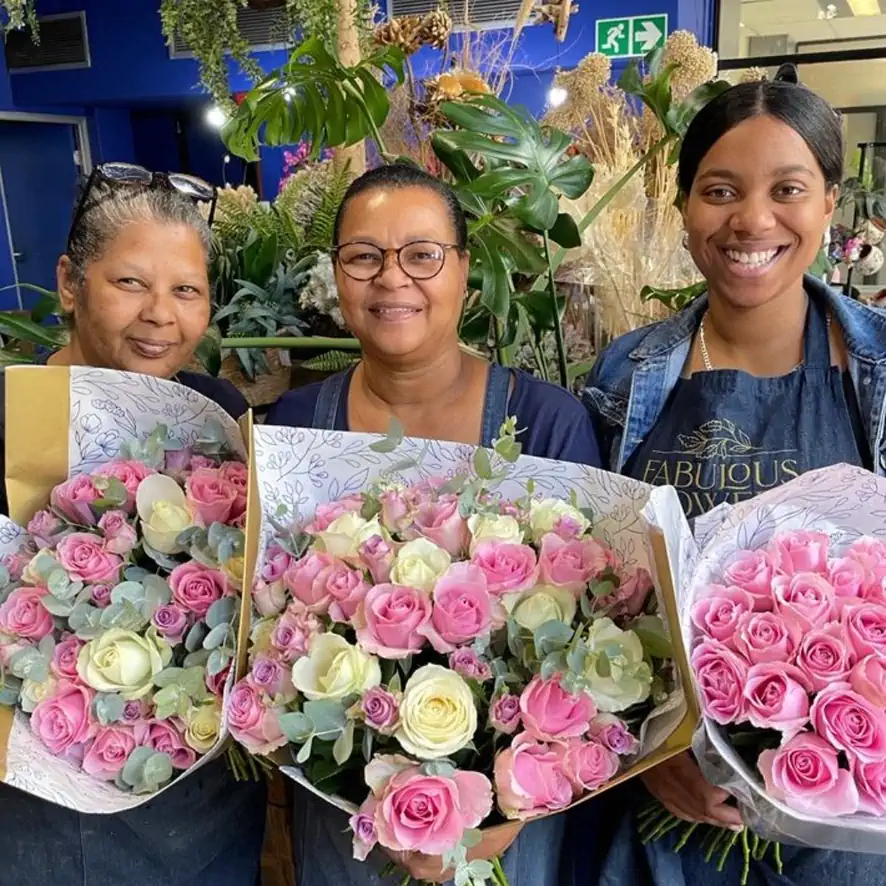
{"points": [[444, 653]]}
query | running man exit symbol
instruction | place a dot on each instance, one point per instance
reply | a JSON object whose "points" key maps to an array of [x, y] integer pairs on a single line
{"points": [[633, 36]]}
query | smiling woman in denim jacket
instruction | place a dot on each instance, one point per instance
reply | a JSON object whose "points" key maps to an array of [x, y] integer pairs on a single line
{"points": [[768, 375]]}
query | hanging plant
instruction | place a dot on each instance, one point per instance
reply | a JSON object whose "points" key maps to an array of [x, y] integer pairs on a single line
{"points": [[20, 14]]}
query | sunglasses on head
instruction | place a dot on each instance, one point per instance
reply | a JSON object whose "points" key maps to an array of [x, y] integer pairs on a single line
{"points": [[128, 174]]}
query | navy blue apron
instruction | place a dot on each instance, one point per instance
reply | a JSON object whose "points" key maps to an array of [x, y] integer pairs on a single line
{"points": [[725, 436], [321, 840], [332, 401]]}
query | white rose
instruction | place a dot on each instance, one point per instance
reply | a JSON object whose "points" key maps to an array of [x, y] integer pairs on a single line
{"points": [[419, 564], [494, 527], [534, 607], [334, 669], [344, 535], [620, 653], [32, 692], [203, 724], [544, 514], [123, 661], [163, 511], [437, 714]]}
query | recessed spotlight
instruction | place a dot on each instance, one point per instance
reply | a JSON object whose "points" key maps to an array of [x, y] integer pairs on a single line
{"points": [[556, 96], [216, 117]]}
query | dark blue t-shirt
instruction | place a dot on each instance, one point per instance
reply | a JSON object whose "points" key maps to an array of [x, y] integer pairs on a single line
{"points": [[554, 423]]}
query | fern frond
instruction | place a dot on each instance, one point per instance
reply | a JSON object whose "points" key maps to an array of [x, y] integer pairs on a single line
{"points": [[331, 361]]}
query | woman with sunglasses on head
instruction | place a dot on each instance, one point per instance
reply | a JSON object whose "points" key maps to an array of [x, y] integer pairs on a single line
{"points": [[401, 268], [770, 374], [134, 285]]}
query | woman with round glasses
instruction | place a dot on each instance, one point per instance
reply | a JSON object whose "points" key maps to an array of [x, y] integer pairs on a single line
{"points": [[401, 267], [134, 285]]}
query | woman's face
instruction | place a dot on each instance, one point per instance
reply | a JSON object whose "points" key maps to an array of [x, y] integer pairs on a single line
{"points": [[393, 315], [145, 302], [757, 212]]}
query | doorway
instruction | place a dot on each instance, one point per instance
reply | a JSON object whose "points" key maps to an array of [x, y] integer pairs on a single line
{"points": [[42, 158]]}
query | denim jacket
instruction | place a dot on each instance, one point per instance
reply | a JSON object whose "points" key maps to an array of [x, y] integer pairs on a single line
{"points": [[633, 377]]}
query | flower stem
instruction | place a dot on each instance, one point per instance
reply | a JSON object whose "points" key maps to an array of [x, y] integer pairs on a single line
{"points": [[746, 852], [687, 833], [778, 862], [558, 324], [501, 878], [727, 848]]}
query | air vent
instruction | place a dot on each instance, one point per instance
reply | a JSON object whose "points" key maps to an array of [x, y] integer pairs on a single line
{"points": [[264, 29], [482, 14], [63, 44]]}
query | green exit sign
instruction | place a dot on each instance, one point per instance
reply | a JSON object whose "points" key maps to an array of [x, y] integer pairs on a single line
{"points": [[631, 36]]}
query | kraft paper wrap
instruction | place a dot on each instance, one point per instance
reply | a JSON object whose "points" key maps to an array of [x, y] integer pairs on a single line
{"points": [[39, 422]]}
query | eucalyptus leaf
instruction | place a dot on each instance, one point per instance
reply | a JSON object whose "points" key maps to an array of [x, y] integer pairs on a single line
{"points": [[651, 631], [157, 770], [296, 726], [344, 745], [54, 606], [328, 718], [218, 636], [108, 707], [218, 660], [29, 664], [221, 612], [304, 752], [551, 636], [195, 636], [134, 768], [602, 588]]}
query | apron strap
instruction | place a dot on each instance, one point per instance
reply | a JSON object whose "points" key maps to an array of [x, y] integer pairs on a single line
{"points": [[495, 406], [816, 341], [326, 407]]}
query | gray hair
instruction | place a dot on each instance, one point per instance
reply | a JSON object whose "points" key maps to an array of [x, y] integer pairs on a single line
{"points": [[113, 207]]}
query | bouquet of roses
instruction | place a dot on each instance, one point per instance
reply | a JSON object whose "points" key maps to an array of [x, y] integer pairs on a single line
{"points": [[119, 607], [786, 621], [433, 635]]}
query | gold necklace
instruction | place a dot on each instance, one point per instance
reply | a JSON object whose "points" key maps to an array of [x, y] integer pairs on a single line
{"points": [[706, 359]]}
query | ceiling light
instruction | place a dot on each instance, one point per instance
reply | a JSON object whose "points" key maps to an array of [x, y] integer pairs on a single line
{"points": [[556, 96], [216, 117], [864, 7]]}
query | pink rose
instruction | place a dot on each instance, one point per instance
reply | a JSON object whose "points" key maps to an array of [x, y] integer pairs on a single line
{"points": [[120, 534], [870, 779], [165, 737], [277, 561], [397, 509], [440, 522], [235, 473], [550, 713], [629, 598], [306, 580], [613, 733], [752, 571], [865, 626], [195, 587], [64, 658], [825, 657], [270, 676], [469, 665], [777, 697], [589, 764], [177, 461], [805, 774], [47, 529], [719, 612], [100, 595], [765, 636], [346, 589], [868, 679], [269, 597], [22, 614], [211, 498], [462, 608], [509, 568], [65, 720], [504, 714], [362, 823], [216, 683], [531, 779], [568, 527], [16, 562], [849, 722], [135, 712], [293, 632], [848, 577], [570, 564], [129, 473], [800, 551], [391, 621], [804, 598], [871, 554], [74, 499], [327, 514], [85, 558], [107, 754], [171, 622], [377, 556], [720, 675], [380, 709], [430, 814]]}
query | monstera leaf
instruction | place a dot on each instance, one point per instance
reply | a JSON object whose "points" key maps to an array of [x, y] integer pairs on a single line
{"points": [[315, 98]]}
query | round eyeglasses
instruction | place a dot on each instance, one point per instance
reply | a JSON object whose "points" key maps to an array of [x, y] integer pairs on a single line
{"points": [[420, 260]]}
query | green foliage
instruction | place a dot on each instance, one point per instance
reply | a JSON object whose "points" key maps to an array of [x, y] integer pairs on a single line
{"points": [[21, 14], [32, 330], [314, 97], [675, 299], [331, 361]]}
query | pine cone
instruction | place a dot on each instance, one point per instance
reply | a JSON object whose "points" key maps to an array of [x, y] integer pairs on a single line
{"points": [[402, 32]]}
